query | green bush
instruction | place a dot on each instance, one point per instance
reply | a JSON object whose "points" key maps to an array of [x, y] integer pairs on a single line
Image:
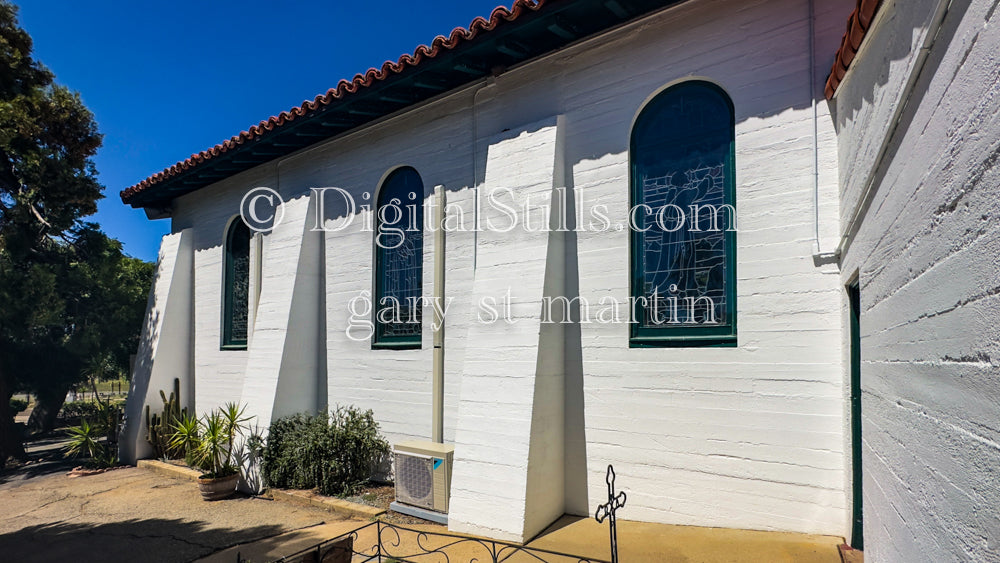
{"points": [[336, 452], [102, 417], [81, 409], [18, 405]]}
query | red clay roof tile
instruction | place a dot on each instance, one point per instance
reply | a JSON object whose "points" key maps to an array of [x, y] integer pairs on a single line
{"points": [[345, 88], [857, 27]]}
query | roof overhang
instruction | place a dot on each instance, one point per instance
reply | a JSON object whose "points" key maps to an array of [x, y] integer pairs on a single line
{"points": [[527, 31]]}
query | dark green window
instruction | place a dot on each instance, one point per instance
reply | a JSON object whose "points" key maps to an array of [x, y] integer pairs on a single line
{"points": [[236, 287], [683, 220], [399, 261]]}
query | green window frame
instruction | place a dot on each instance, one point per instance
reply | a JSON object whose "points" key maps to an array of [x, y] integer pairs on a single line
{"points": [[682, 266], [236, 286], [399, 261]]}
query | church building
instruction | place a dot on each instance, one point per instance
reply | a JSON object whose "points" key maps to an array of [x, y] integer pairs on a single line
{"points": [[743, 251]]}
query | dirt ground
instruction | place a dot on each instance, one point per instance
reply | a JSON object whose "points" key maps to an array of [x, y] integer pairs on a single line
{"points": [[130, 514], [134, 514]]}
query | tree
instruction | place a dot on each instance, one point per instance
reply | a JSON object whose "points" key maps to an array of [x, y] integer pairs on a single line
{"points": [[47, 184], [101, 294]]}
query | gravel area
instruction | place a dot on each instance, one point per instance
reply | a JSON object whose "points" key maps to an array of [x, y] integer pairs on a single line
{"points": [[381, 496]]}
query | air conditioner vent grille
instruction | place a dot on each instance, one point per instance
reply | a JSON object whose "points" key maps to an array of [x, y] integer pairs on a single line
{"points": [[415, 480]]}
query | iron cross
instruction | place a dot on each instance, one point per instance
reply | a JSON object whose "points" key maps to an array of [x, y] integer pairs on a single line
{"points": [[609, 509]]}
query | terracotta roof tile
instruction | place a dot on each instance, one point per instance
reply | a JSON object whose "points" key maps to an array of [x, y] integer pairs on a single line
{"points": [[857, 27], [345, 88]]}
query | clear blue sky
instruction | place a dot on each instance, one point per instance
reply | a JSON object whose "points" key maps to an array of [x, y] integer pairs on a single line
{"points": [[168, 79]]}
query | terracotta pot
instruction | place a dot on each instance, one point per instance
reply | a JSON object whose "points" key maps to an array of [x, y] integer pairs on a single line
{"points": [[218, 489]]}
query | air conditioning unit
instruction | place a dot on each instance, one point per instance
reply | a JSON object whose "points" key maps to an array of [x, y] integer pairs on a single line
{"points": [[423, 474]]}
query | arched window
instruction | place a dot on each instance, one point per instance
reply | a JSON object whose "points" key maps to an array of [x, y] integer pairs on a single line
{"points": [[399, 260], [683, 219], [236, 287]]}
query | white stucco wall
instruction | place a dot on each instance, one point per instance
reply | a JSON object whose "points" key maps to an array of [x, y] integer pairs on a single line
{"points": [[749, 437], [926, 254], [219, 373]]}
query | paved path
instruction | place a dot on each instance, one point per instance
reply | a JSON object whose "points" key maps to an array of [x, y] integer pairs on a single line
{"points": [[131, 515], [134, 514]]}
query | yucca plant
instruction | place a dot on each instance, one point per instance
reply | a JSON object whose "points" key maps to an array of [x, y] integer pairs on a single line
{"points": [[185, 437], [84, 441], [235, 423], [212, 453], [211, 441]]}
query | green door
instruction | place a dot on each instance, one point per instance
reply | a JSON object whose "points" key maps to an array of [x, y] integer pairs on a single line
{"points": [[857, 530]]}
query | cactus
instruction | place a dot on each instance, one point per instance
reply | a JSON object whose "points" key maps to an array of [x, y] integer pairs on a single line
{"points": [[159, 428]]}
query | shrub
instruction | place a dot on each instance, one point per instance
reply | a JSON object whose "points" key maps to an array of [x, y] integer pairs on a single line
{"points": [[81, 409], [336, 452], [18, 405], [103, 418]]}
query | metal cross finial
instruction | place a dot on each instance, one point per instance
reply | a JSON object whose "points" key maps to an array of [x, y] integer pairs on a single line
{"points": [[609, 509]]}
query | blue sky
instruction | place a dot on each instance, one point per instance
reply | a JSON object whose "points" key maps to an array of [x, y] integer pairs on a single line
{"points": [[168, 79]]}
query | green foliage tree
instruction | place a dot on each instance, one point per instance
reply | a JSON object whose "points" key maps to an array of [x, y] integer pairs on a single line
{"points": [[100, 296], [67, 293]]}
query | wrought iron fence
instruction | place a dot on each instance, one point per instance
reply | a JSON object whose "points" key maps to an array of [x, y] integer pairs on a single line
{"points": [[383, 542]]}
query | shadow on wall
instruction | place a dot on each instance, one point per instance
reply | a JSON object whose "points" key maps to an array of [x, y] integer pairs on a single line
{"points": [[139, 386], [574, 419], [900, 50], [149, 540]]}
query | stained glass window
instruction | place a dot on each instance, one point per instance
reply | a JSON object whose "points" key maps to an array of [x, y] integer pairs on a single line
{"points": [[683, 219], [236, 287], [399, 260]]}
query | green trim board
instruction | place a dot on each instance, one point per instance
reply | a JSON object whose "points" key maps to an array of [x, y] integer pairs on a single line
{"points": [[682, 154]]}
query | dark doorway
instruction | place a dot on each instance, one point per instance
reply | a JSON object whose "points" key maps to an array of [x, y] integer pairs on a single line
{"points": [[857, 529]]}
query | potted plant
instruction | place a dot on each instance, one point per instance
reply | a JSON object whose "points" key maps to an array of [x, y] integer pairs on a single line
{"points": [[209, 445]]}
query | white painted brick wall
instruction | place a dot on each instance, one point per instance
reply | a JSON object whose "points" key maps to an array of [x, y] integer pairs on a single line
{"points": [[521, 382], [926, 256], [750, 437]]}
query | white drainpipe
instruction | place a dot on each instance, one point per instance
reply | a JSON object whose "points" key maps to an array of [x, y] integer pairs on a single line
{"points": [[868, 193], [437, 428]]}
